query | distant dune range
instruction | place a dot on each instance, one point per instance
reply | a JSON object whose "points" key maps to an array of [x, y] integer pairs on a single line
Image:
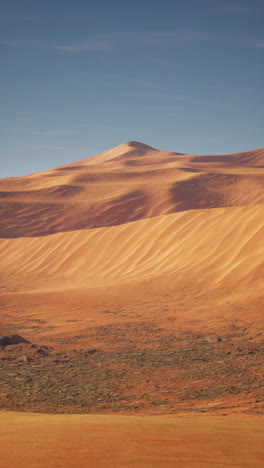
{"points": [[127, 183], [139, 249]]}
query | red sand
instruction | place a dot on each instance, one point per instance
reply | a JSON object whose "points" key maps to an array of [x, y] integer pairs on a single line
{"points": [[39, 440]]}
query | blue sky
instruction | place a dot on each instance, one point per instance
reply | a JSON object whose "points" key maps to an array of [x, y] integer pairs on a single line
{"points": [[79, 77]]}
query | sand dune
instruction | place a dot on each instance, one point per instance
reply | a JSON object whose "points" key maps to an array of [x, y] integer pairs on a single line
{"points": [[130, 182], [193, 257], [213, 247], [249, 158]]}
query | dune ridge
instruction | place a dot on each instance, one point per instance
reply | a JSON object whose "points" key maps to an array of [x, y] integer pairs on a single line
{"points": [[227, 250], [130, 182]]}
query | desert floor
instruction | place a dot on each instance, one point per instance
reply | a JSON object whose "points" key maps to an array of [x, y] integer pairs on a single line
{"points": [[120, 441]]}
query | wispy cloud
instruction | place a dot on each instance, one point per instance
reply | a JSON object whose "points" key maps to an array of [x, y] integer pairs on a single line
{"points": [[160, 62], [33, 132], [59, 133], [146, 84], [184, 99], [110, 42], [11, 43], [255, 43], [48, 147], [160, 38], [231, 6], [100, 126], [44, 19], [18, 43], [93, 44], [177, 97], [106, 43], [10, 19], [46, 133], [77, 151]]}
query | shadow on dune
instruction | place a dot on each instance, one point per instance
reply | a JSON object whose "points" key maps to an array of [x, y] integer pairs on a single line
{"points": [[251, 158], [41, 219], [202, 192], [213, 159], [56, 191]]}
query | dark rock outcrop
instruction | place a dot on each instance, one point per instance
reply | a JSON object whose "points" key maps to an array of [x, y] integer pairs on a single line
{"points": [[6, 340]]}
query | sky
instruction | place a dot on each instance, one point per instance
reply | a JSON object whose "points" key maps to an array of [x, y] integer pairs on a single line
{"points": [[80, 77]]}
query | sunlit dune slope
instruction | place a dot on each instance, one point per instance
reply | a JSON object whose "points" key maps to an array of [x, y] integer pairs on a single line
{"points": [[130, 182], [214, 247]]}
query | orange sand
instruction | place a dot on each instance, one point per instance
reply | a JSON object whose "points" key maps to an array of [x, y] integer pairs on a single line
{"points": [[39, 440]]}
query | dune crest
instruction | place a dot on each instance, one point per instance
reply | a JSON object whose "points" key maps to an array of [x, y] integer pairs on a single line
{"points": [[130, 182], [221, 246], [249, 158], [125, 150]]}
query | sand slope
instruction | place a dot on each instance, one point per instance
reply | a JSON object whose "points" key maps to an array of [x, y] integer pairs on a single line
{"points": [[218, 247], [130, 182]]}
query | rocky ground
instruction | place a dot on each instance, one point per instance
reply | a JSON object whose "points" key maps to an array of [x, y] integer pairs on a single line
{"points": [[135, 368]]}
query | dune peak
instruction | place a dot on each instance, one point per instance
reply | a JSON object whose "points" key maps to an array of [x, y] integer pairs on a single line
{"points": [[137, 145], [134, 145]]}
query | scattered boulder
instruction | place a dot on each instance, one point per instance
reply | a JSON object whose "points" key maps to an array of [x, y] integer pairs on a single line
{"points": [[213, 339], [6, 340], [43, 350], [91, 351]]}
